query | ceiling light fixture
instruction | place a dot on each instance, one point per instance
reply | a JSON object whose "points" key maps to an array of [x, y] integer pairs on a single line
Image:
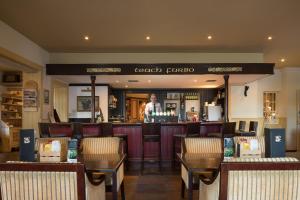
{"points": [[148, 38], [86, 37], [270, 38], [282, 60], [209, 37]]}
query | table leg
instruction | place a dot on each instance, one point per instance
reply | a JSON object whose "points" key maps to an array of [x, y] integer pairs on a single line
{"points": [[114, 186], [190, 189]]}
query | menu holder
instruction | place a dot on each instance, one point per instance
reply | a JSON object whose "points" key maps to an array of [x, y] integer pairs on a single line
{"points": [[228, 148], [248, 149], [72, 151], [52, 156]]}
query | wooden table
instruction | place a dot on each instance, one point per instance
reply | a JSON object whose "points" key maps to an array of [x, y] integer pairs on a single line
{"points": [[196, 163], [104, 163]]}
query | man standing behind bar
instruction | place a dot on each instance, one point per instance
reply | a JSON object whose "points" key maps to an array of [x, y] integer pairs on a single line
{"points": [[152, 107]]}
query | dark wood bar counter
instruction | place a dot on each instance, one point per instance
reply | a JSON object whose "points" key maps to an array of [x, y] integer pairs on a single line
{"points": [[134, 136], [134, 132]]}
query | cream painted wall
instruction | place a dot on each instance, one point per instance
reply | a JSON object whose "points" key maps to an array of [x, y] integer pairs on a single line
{"points": [[241, 106], [154, 57], [31, 119], [17, 43], [285, 81], [74, 91], [291, 83]]}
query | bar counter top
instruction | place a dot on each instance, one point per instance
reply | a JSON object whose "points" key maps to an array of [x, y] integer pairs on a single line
{"points": [[168, 123]]}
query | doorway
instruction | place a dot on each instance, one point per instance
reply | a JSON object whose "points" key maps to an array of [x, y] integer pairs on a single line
{"points": [[135, 107]]}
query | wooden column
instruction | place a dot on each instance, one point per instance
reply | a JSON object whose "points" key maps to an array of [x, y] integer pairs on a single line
{"points": [[226, 78], [93, 109]]}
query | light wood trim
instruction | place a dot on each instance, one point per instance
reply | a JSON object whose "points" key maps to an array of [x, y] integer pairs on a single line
{"points": [[19, 59]]}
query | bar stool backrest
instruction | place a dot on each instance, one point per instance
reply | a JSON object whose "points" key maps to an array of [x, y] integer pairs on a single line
{"points": [[90, 130], [242, 125], [106, 129], [151, 129], [193, 129], [253, 126], [42, 181], [60, 130]]}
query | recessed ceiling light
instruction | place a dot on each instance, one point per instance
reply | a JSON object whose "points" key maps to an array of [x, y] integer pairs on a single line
{"points": [[282, 60], [209, 37], [149, 81], [270, 38], [126, 86], [117, 81], [195, 81], [148, 38], [86, 37]]}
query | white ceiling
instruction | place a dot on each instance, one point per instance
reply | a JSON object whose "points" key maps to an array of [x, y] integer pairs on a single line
{"points": [[162, 81], [174, 25]]}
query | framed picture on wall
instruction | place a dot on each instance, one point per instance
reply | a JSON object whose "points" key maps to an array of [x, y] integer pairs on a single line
{"points": [[46, 96], [84, 103]]}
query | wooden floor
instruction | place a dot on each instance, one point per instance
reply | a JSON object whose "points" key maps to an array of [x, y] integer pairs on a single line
{"points": [[153, 185]]}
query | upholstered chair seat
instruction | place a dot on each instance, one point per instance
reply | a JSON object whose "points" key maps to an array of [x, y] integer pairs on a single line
{"points": [[103, 146], [256, 184], [62, 181], [203, 147]]}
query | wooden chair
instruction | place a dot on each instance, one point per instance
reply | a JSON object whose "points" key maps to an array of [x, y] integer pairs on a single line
{"points": [[48, 181], [253, 126], [151, 132], [197, 146], [227, 130], [106, 145], [261, 178], [192, 130], [242, 126], [60, 130], [261, 142]]}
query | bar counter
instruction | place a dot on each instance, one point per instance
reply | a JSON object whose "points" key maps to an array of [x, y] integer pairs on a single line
{"points": [[134, 132], [134, 136]]}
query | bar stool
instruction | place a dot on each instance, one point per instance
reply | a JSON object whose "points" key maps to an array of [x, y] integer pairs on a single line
{"points": [[107, 131], [192, 130], [90, 130], [60, 130], [151, 132]]}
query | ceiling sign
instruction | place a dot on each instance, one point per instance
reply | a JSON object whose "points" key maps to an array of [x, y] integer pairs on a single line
{"points": [[160, 69]]}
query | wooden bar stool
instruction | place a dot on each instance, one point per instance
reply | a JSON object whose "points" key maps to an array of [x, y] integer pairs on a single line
{"points": [[151, 132], [192, 130]]}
